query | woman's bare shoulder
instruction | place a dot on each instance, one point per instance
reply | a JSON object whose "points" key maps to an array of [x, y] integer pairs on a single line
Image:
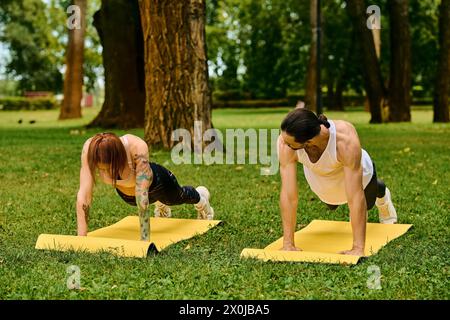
{"points": [[137, 145], [133, 138], [86, 144]]}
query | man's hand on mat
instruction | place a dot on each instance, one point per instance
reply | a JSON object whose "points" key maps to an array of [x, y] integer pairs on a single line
{"points": [[354, 252]]}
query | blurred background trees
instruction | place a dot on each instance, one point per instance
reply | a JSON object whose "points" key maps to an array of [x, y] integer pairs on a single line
{"points": [[441, 90], [74, 57], [33, 44], [258, 54], [118, 24]]}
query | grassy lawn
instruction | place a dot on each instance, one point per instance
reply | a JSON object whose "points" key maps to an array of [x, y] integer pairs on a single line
{"points": [[39, 174]]}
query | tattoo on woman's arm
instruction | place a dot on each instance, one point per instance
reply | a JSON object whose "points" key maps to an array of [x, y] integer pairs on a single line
{"points": [[86, 208], [144, 177]]}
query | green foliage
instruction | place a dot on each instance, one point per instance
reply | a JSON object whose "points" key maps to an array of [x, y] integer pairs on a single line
{"points": [[36, 35], [211, 11], [253, 103], [223, 44], [293, 17], [93, 61], [261, 47], [21, 103], [8, 87], [340, 57], [41, 167], [260, 40], [33, 47], [231, 94], [256, 46], [424, 16]]}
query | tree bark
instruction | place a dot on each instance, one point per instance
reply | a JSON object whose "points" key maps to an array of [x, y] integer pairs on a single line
{"points": [[73, 79], [376, 34], [334, 94], [373, 80], [400, 65], [338, 103], [330, 91], [311, 76], [441, 92], [119, 27], [176, 73]]}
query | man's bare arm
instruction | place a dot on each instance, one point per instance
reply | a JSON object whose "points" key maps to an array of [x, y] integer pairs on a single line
{"points": [[288, 194], [353, 174]]}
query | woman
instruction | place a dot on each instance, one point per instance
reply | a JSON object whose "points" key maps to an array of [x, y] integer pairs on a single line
{"points": [[123, 163], [336, 168]]}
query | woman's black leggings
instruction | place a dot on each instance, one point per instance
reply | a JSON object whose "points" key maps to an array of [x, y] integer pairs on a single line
{"points": [[165, 189], [375, 189]]}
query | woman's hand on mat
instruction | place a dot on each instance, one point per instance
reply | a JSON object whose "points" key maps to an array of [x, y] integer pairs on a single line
{"points": [[354, 252]]}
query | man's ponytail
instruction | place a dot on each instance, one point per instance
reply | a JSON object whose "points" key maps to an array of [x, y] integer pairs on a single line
{"points": [[323, 120]]}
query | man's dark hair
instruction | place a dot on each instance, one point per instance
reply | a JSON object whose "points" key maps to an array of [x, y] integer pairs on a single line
{"points": [[303, 124]]}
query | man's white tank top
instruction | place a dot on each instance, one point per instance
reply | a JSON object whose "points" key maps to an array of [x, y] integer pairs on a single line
{"points": [[326, 176]]}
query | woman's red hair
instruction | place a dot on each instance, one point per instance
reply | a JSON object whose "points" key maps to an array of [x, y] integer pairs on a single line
{"points": [[107, 148]]}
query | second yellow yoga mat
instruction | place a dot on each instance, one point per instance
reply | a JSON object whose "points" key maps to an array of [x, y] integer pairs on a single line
{"points": [[322, 240], [122, 238]]}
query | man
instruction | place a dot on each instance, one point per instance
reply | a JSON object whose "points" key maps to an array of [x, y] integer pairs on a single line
{"points": [[337, 170]]}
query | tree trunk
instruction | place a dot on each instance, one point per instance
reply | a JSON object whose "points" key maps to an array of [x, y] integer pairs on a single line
{"points": [[311, 76], [119, 27], [338, 103], [373, 80], [342, 79], [176, 73], [334, 94], [441, 91], [330, 92], [73, 79], [376, 34], [400, 66]]}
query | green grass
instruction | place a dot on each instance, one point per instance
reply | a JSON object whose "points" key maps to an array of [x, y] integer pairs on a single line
{"points": [[39, 167]]}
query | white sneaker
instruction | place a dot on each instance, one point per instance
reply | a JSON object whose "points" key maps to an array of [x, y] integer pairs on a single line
{"points": [[386, 210], [204, 209], [162, 210]]}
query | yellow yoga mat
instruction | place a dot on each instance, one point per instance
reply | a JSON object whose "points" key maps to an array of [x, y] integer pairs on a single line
{"points": [[122, 238], [322, 240]]}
